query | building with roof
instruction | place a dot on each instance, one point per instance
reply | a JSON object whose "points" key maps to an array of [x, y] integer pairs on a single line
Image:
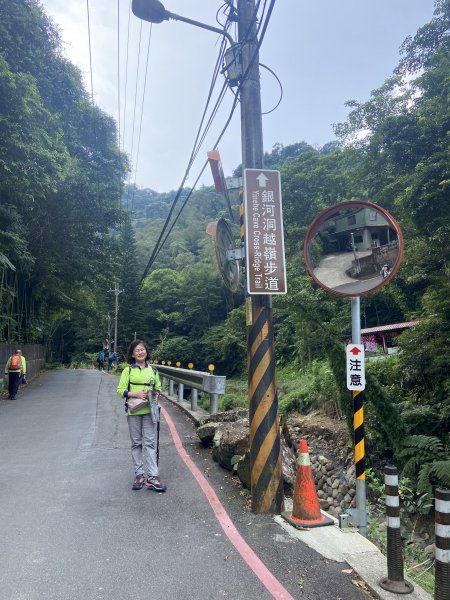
{"points": [[382, 337]]}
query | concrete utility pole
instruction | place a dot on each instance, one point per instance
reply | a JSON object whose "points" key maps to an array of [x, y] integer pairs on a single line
{"points": [[116, 291], [265, 448], [108, 318]]}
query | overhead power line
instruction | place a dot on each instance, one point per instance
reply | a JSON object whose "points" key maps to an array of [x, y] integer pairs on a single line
{"points": [[90, 50], [160, 242], [118, 74], [191, 159], [136, 89], [126, 79], [142, 114]]}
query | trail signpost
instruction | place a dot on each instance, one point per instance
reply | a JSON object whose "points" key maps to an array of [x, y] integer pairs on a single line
{"points": [[266, 269]]}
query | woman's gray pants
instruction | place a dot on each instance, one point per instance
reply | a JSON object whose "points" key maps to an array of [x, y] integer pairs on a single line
{"points": [[143, 444]]}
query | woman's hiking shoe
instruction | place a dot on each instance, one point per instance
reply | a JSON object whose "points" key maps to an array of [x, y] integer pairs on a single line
{"points": [[138, 482], [154, 483]]}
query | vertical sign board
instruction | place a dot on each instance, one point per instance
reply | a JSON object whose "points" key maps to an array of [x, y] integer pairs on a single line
{"points": [[356, 376], [264, 236]]}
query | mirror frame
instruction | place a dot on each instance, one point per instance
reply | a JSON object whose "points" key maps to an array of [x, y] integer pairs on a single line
{"points": [[322, 217]]}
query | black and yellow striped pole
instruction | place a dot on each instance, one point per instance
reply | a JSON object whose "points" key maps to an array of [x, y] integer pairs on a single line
{"points": [[360, 519], [358, 427], [265, 455]]}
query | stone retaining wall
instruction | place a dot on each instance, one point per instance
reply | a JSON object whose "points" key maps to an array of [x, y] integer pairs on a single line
{"points": [[335, 488]]}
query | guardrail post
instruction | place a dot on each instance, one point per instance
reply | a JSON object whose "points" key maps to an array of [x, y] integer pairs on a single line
{"points": [[170, 387], [180, 391], [194, 399], [442, 544], [395, 581], [214, 403]]}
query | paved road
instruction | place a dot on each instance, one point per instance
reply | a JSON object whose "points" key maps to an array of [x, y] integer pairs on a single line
{"points": [[332, 272], [71, 528]]}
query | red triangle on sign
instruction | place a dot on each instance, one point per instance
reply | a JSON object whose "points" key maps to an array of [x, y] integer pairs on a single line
{"points": [[355, 350]]}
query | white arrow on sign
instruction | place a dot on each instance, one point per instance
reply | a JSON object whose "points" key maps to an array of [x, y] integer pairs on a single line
{"points": [[262, 179]]}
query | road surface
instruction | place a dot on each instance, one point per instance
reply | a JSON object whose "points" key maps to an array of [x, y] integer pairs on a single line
{"points": [[71, 528]]}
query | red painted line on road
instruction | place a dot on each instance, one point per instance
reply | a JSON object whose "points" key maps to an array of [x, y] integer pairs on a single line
{"points": [[257, 566]]}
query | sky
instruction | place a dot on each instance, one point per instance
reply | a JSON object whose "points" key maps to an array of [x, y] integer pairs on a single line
{"points": [[324, 52]]}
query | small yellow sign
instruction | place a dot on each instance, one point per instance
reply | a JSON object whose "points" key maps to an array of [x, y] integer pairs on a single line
{"points": [[248, 312]]}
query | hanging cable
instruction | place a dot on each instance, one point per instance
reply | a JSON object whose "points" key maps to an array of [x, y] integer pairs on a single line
{"points": [[118, 74], [126, 80], [159, 245], [90, 50], [177, 196], [136, 91], [281, 90], [142, 114]]}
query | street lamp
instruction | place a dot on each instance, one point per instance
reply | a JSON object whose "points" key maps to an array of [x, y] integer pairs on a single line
{"points": [[153, 11], [265, 445]]}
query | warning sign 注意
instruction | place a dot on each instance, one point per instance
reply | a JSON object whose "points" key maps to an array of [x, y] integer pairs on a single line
{"points": [[356, 375]]}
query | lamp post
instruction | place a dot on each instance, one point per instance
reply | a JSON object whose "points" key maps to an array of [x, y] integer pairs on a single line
{"points": [[265, 448]]}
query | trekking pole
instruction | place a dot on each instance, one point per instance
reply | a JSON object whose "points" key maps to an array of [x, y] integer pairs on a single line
{"points": [[157, 435]]}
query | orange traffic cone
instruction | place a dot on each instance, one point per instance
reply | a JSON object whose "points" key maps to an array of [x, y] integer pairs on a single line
{"points": [[306, 509]]}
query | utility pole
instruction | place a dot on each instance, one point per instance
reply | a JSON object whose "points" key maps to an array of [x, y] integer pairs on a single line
{"points": [[265, 448], [116, 292], [108, 317]]}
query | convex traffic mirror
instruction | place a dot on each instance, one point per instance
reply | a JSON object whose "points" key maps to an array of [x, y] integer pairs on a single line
{"points": [[353, 248]]}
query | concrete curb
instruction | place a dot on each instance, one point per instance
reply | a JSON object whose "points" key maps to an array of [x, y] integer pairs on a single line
{"points": [[359, 553]]}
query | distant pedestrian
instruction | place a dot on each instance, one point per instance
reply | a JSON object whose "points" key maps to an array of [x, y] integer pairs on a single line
{"points": [[15, 372], [140, 381], [101, 361], [385, 271], [111, 359]]}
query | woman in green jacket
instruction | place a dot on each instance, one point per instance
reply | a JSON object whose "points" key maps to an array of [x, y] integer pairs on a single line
{"points": [[141, 381]]}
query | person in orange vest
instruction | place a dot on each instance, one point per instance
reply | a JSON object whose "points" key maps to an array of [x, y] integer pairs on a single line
{"points": [[15, 371]]}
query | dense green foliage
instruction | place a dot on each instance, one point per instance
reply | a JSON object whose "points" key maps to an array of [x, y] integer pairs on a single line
{"points": [[70, 230]]}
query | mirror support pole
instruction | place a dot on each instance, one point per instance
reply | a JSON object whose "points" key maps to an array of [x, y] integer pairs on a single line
{"points": [[356, 319], [358, 426]]}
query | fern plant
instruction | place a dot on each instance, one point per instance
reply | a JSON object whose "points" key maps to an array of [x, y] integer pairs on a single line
{"points": [[426, 461]]}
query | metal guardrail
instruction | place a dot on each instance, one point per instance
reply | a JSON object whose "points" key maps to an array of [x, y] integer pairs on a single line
{"points": [[214, 385]]}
